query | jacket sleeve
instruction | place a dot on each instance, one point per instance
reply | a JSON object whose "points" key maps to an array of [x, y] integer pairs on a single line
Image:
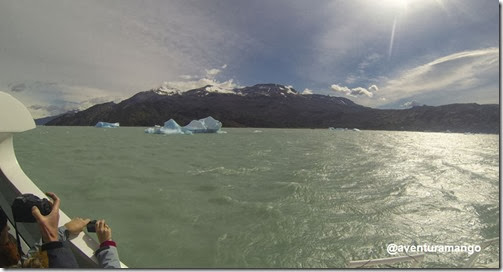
{"points": [[63, 233], [59, 255], [108, 255]]}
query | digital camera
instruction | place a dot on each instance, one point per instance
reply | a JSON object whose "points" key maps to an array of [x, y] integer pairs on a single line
{"points": [[91, 226], [21, 207]]}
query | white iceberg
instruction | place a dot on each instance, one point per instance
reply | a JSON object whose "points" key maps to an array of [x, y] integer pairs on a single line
{"points": [[107, 125], [211, 124], [336, 129], [195, 126], [170, 127], [205, 125]]}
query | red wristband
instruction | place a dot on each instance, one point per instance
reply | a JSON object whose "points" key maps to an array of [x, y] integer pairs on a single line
{"points": [[108, 243]]}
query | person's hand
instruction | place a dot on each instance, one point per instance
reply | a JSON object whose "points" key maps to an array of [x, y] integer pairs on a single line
{"points": [[48, 224], [103, 231], [77, 225]]}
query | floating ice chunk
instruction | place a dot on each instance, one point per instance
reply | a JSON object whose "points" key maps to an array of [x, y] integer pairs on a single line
{"points": [[107, 125], [336, 129], [195, 126], [205, 125], [165, 130], [173, 125], [150, 130], [211, 123]]}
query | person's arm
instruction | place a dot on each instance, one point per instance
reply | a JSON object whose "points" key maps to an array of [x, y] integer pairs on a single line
{"points": [[107, 254], [73, 227], [59, 255]]}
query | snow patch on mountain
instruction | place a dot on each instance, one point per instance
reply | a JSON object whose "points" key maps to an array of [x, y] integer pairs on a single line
{"points": [[166, 89]]}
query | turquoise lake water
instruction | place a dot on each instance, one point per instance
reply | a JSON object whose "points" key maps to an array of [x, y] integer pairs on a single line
{"points": [[273, 198]]}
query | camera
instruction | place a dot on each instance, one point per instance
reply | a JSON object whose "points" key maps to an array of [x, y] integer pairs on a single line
{"points": [[91, 226], [21, 207]]}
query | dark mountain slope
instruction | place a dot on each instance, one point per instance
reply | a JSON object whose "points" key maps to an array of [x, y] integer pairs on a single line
{"points": [[273, 105]]}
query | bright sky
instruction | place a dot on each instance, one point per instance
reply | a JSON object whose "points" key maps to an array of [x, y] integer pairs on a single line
{"points": [[59, 55]]}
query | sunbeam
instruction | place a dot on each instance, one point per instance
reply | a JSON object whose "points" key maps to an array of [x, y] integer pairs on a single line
{"points": [[393, 29]]}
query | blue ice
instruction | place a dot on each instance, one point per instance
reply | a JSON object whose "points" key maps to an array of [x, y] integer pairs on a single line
{"points": [[205, 125], [107, 125]]}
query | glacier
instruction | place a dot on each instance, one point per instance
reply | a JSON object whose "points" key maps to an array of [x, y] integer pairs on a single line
{"points": [[107, 125], [205, 125]]}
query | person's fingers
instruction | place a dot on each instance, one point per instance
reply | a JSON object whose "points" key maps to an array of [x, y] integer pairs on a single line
{"points": [[84, 223], [99, 224], [36, 213], [56, 201]]}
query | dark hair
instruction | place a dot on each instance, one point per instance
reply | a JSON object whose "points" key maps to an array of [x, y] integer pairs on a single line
{"points": [[3, 219]]}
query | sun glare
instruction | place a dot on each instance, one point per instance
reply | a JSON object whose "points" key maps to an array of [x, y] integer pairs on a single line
{"points": [[398, 4]]}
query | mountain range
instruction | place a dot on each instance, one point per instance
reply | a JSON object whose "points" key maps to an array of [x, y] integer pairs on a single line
{"points": [[279, 106]]}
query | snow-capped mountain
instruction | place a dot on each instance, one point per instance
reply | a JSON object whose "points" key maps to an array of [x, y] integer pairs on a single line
{"points": [[275, 105]]}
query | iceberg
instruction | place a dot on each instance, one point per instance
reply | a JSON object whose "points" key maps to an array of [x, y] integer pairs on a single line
{"points": [[211, 124], [170, 127], [107, 125], [195, 126], [205, 125]]}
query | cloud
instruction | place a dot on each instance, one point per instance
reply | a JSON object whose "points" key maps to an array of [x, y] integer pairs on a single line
{"points": [[123, 47], [126, 46], [307, 91], [187, 77], [18, 87], [355, 92], [194, 82], [373, 88], [411, 104], [51, 110], [470, 76], [212, 72], [49, 98], [372, 59], [361, 91], [351, 79]]}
